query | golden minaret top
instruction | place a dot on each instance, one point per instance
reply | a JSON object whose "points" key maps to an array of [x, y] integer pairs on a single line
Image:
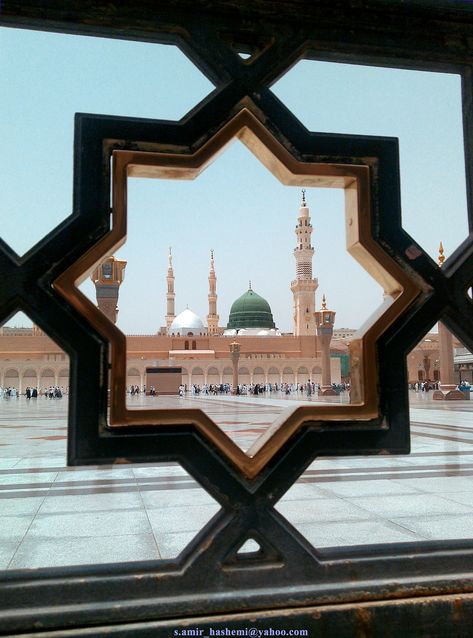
{"points": [[441, 257]]}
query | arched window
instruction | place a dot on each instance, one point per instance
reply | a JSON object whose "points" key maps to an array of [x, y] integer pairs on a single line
{"points": [[194, 345], [186, 345]]}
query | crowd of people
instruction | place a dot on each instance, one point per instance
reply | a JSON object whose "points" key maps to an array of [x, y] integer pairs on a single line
{"points": [[308, 389], [53, 392], [424, 386], [427, 385]]}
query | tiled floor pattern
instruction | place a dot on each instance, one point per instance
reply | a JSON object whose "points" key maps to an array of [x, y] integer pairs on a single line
{"points": [[54, 515], [237, 414]]}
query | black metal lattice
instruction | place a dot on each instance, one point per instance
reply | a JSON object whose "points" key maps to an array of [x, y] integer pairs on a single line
{"points": [[208, 577]]}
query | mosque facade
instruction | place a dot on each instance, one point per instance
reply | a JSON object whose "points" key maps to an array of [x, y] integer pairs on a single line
{"points": [[202, 348]]}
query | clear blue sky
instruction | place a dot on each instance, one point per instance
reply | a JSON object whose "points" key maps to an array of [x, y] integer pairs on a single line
{"points": [[235, 207]]}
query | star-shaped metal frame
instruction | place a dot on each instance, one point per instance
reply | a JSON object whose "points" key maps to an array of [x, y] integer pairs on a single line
{"points": [[360, 202]]}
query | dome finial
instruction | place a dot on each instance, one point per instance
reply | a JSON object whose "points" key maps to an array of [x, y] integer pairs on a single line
{"points": [[441, 257], [249, 285], [303, 203], [170, 257], [324, 302]]}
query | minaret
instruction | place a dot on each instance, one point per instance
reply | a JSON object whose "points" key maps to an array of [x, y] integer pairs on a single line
{"points": [[304, 286], [170, 296], [107, 278], [212, 317]]}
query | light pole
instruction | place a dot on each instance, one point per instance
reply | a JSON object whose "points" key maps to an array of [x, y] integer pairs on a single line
{"points": [[447, 376], [324, 321], [235, 355]]}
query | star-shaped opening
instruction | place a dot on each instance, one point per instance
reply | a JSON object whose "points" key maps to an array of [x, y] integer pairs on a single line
{"points": [[356, 182]]}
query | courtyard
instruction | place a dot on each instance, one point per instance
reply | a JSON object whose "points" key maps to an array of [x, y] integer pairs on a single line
{"points": [[55, 515]]}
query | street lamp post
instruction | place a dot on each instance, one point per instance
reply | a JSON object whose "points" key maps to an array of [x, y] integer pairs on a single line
{"points": [[235, 355], [447, 377], [325, 320]]}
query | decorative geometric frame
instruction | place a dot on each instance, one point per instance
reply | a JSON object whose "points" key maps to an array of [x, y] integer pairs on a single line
{"points": [[427, 582], [356, 182]]}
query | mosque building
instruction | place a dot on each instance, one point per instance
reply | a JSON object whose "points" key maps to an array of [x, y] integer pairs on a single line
{"points": [[250, 314], [202, 348]]}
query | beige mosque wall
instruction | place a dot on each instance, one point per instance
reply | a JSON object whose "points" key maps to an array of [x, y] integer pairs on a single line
{"points": [[38, 361], [205, 358], [160, 346], [34, 361], [283, 359], [213, 371]]}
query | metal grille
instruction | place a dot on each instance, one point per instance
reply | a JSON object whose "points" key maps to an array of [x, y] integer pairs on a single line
{"points": [[209, 577]]}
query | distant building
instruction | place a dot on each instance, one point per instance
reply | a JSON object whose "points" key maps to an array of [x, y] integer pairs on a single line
{"points": [[29, 358], [201, 348], [343, 333], [8, 331], [464, 364]]}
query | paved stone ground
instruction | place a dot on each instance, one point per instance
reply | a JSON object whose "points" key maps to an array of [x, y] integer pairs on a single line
{"points": [[54, 515]]}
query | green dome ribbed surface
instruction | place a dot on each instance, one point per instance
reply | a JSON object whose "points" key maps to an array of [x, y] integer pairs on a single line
{"points": [[250, 311]]}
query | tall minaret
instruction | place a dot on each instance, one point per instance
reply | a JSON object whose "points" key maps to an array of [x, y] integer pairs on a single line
{"points": [[212, 317], [170, 296], [304, 286]]}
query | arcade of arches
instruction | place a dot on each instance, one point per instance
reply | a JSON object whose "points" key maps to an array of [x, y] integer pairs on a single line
{"points": [[34, 360]]}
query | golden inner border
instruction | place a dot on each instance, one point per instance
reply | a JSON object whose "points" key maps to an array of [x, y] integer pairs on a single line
{"points": [[355, 180]]}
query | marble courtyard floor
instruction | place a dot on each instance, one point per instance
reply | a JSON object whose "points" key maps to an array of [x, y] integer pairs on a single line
{"points": [[54, 515]]}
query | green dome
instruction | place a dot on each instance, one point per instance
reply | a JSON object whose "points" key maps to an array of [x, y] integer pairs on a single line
{"points": [[250, 311]]}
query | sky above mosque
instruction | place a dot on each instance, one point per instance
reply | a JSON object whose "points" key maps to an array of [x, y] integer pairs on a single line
{"points": [[235, 207]]}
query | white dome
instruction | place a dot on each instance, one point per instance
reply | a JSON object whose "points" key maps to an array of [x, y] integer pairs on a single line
{"points": [[187, 322]]}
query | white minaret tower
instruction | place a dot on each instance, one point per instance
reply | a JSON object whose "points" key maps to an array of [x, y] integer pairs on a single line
{"points": [[212, 317], [170, 296], [304, 286]]}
